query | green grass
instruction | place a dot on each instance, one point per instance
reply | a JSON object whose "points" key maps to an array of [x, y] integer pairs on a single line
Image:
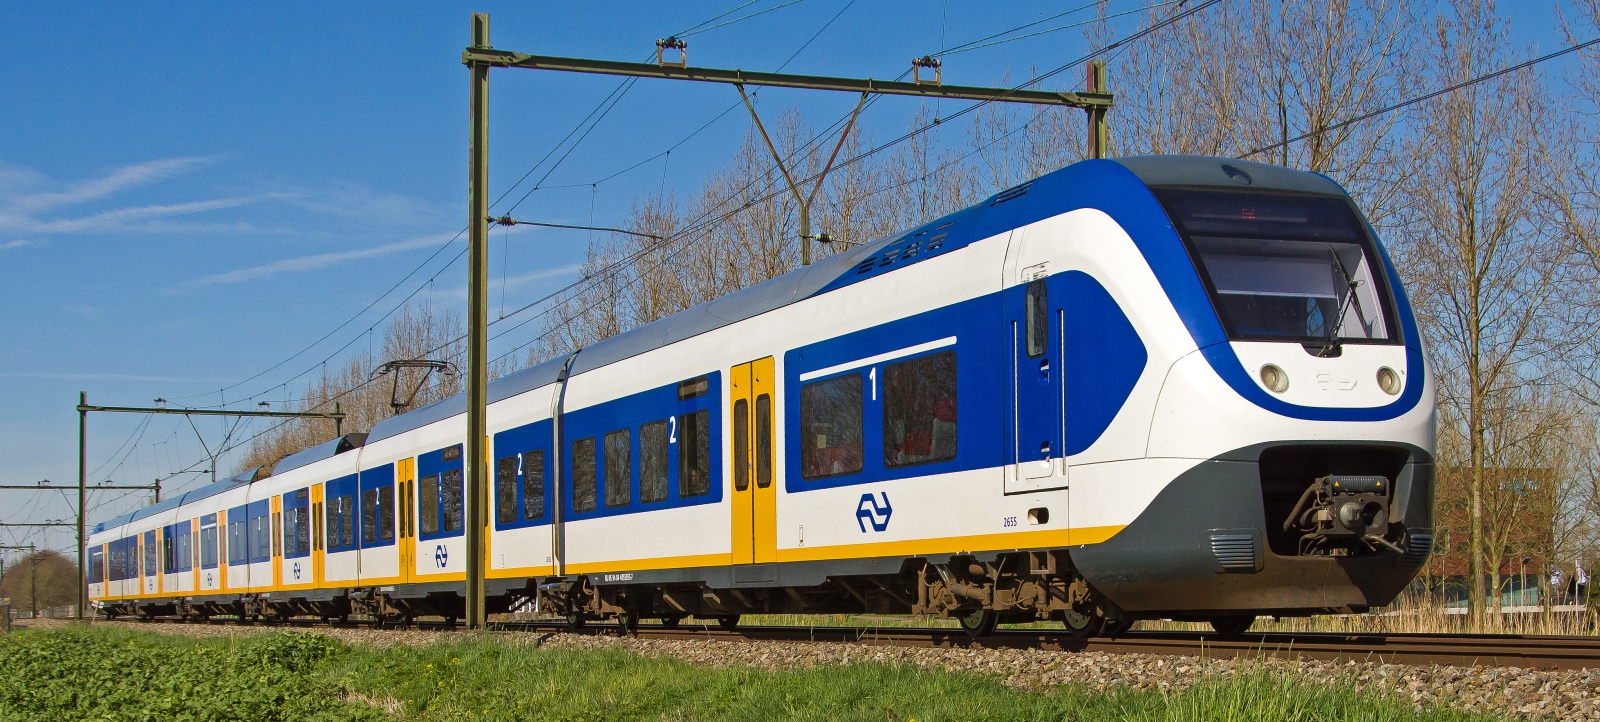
{"points": [[115, 675]]}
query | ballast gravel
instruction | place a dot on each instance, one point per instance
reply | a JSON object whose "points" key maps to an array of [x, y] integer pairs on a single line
{"points": [[1502, 691]]}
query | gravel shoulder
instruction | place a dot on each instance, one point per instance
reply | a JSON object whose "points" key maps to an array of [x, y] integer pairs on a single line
{"points": [[1508, 691]]}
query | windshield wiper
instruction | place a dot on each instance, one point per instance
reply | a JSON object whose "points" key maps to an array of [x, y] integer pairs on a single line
{"points": [[1331, 341]]}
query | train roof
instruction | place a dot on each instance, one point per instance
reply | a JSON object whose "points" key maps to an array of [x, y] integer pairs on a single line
{"points": [[1202, 170], [193, 495], [325, 450]]}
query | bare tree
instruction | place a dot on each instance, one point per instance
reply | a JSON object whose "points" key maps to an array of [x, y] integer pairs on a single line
{"points": [[1483, 268]]}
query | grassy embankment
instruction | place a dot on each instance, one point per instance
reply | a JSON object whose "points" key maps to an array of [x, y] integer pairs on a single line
{"points": [[104, 674]]}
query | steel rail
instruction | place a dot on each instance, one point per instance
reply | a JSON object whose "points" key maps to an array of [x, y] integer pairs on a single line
{"points": [[1494, 650], [1544, 652]]}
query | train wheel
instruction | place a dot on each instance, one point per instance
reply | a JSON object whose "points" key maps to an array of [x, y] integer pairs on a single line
{"points": [[1079, 624], [1232, 626], [1115, 627], [629, 623], [980, 623], [575, 621], [670, 622], [728, 623]]}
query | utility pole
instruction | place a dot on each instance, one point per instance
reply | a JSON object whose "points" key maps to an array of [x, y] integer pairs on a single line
{"points": [[83, 495], [1099, 134], [337, 416], [478, 326]]}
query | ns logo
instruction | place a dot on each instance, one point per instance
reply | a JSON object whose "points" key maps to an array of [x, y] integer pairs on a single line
{"points": [[869, 512], [441, 556]]}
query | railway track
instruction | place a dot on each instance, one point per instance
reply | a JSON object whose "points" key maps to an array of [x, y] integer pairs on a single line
{"points": [[1494, 650], [1537, 652]]}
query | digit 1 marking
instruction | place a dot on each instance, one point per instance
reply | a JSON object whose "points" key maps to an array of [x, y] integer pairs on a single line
{"points": [[672, 429], [873, 377]]}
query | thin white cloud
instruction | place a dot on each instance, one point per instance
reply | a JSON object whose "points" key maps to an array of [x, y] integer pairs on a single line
{"points": [[143, 218], [110, 377], [14, 244], [111, 182], [314, 262]]}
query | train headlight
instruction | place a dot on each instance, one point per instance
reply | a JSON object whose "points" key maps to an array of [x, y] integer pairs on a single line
{"points": [[1389, 381], [1274, 378]]}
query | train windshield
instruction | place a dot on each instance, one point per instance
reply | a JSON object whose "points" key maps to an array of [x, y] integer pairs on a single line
{"points": [[1284, 267]]}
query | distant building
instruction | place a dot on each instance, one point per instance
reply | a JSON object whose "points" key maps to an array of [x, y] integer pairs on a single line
{"points": [[1518, 503]]}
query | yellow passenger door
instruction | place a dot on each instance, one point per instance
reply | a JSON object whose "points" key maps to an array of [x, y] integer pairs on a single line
{"points": [[755, 499], [318, 548], [406, 543]]}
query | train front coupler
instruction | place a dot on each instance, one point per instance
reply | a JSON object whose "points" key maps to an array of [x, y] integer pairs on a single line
{"points": [[1342, 515]]}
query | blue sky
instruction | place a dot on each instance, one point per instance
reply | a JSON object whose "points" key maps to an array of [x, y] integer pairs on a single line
{"points": [[189, 194]]}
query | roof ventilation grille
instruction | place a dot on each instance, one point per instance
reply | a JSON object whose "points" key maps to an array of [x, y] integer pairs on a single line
{"points": [[1011, 193]]}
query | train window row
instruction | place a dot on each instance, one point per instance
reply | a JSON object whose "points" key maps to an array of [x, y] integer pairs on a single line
{"points": [[296, 524], [528, 466], [441, 497], [175, 547], [691, 432], [208, 541], [919, 416]]}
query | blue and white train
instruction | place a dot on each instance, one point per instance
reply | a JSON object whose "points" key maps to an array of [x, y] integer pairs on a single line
{"points": [[1150, 387]]}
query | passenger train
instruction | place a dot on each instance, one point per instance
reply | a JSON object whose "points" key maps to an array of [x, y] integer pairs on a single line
{"points": [[1150, 387]]}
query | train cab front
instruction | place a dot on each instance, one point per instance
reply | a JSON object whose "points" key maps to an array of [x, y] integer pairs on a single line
{"points": [[1306, 409]]}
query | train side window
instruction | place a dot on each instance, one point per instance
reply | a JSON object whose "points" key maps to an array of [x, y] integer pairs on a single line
{"points": [[653, 442], [429, 516], [208, 547], [533, 484], [693, 388], [450, 487], [764, 441], [830, 427], [386, 512], [741, 445], [1037, 302], [919, 410], [330, 511], [169, 558], [694, 454], [619, 468], [505, 490], [347, 519], [369, 516], [583, 477], [302, 523], [96, 566]]}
